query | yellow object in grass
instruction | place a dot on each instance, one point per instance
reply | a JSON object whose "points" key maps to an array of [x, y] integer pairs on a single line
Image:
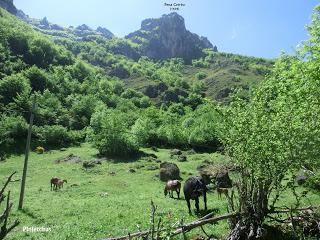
{"points": [[40, 150]]}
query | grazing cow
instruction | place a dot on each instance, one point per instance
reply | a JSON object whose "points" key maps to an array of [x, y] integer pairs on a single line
{"points": [[222, 190], [193, 188], [172, 185], [60, 183], [54, 183]]}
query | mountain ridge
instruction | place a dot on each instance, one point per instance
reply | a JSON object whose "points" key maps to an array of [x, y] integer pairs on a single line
{"points": [[160, 38], [216, 75], [167, 37], [9, 6]]}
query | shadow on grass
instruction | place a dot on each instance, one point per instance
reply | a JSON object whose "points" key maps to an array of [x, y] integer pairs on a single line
{"points": [[123, 159], [27, 212], [178, 199]]}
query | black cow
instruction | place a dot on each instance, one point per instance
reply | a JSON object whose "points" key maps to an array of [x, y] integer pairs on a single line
{"points": [[193, 188]]}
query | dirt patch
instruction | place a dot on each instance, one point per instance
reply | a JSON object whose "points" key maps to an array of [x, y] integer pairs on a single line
{"points": [[71, 158]]}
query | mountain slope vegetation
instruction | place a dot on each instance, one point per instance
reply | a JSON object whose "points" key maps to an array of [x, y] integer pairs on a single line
{"points": [[253, 118], [78, 81]]}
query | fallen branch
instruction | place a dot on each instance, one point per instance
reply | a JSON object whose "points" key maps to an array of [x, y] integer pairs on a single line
{"points": [[288, 210], [181, 229], [195, 224]]}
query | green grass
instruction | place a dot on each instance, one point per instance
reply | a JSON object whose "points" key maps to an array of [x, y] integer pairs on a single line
{"points": [[80, 212]]}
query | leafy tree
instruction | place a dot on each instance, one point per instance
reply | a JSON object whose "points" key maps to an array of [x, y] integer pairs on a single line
{"points": [[146, 127], [80, 71], [11, 86], [177, 108], [39, 79], [13, 132], [41, 52], [49, 109], [202, 128], [82, 110], [144, 102], [117, 87], [130, 93], [52, 136], [275, 134], [111, 134], [198, 87], [193, 100], [18, 42], [171, 132], [201, 75]]}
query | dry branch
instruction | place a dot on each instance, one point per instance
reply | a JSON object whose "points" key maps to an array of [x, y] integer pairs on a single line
{"points": [[195, 224], [5, 229], [288, 210], [182, 229], [207, 219], [5, 185]]}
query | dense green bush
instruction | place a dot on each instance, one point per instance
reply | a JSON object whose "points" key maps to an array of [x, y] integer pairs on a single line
{"points": [[13, 134], [80, 71], [146, 126], [39, 79], [110, 133], [81, 110], [200, 63], [49, 110], [41, 52], [201, 75], [11, 87], [313, 182], [131, 93], [53, 136]]}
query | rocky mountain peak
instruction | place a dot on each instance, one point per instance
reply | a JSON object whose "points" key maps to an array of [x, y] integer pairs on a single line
{"points": [[9, 6], [167, 37], [172, 22], [83, 27], [105, 32]]}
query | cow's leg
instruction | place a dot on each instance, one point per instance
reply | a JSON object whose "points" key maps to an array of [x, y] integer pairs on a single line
{"points": [[178, 193], [197, 204], [188, 203], [205, 199]]}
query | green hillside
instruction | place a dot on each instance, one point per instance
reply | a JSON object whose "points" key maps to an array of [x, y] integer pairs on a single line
{"points": [[74, 79], [224, 72], [109, 110]]}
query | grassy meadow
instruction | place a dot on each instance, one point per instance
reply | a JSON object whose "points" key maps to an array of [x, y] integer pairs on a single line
{"points": [[106, 200]]}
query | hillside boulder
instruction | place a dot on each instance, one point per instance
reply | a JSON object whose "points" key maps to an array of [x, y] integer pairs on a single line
{"points": [[301, 179], [175, 152], [169, 171]]}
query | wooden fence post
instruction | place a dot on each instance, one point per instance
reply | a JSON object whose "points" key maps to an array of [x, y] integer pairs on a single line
{"points": [[25, 166]]}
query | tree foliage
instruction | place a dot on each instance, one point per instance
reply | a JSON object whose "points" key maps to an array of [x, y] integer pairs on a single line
{"points": [[277, 131]]}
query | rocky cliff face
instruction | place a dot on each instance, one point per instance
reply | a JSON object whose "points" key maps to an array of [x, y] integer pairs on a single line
{"points": [[9, 6], [167, 37], [105, 32]]}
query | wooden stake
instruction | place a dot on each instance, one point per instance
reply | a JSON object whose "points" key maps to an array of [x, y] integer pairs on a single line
{"points": [[25, 166]]}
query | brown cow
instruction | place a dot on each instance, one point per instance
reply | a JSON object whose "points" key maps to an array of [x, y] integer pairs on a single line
{"points": [[172, 185]]}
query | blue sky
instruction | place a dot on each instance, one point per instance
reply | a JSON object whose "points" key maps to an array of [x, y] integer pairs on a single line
{"points": [[260, 28]]}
